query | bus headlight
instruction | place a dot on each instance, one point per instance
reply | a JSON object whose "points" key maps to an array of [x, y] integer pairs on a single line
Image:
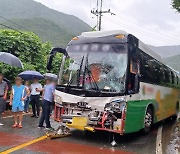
{"points": [[115, 106]]}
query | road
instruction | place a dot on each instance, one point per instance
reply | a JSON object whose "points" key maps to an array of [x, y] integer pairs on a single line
{"points": [[32, 140]]}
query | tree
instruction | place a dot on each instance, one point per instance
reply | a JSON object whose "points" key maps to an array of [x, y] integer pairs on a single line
{"points": [[28, 47], [176, 5]]}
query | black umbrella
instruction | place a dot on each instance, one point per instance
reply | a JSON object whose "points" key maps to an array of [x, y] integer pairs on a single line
{"points": [[10, 59], [29, 75]]}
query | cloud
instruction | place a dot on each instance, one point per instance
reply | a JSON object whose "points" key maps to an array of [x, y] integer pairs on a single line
{"points": [[153, 21]]}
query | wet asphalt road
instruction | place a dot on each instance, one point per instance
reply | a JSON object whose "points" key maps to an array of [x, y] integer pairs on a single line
{"points": [[171, 137], [82, 142]]}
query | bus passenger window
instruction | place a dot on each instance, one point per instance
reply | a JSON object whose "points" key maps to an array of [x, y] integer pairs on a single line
{"points": [[177, 80], [173, 77]]}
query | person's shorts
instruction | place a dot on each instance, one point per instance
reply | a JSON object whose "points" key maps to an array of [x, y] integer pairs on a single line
{"points": [[17, 109]]}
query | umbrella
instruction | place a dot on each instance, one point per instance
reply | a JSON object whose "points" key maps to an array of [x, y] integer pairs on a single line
{"points": [[29, 75], [50, 76], [10, 59]]}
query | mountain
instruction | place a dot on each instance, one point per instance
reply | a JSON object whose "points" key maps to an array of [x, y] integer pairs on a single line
{"points": [[174, 62], [49, 24], [46, 29], [166, 51], [171, 55]]}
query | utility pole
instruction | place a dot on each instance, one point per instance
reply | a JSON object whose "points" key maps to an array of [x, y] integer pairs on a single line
{"points": [[99, 13]]}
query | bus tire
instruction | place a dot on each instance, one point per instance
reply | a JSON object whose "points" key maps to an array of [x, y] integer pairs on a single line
{"points": [[148, 120]]}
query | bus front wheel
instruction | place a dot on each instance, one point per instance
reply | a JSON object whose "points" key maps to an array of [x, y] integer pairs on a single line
{"points": [[148, 120]]}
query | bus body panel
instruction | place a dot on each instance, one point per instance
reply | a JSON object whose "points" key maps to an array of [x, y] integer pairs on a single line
{"points": [[162, 99]]}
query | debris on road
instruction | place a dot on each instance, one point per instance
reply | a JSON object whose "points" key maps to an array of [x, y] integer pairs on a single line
{"points": [[62, 131]]}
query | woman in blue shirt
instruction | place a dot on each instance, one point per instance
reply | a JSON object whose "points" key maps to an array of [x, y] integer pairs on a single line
{"points": [[17, 101]]}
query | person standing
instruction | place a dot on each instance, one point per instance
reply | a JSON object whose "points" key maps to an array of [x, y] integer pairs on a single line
{"points": [[17, 101], [3, 96], [48, 98], [35, 88], [26, 102]]}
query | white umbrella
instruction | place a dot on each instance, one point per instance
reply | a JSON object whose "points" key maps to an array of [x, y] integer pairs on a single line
{"points": [[50, 76], [10, 59]]}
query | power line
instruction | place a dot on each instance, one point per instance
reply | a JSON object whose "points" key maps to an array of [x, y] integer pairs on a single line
{"points": [[13, 23], [137, 30], [148, 29], [11, 28], [129, 19]]}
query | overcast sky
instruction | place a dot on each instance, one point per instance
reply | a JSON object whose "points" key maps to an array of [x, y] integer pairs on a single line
{"points": [[152, 21]]}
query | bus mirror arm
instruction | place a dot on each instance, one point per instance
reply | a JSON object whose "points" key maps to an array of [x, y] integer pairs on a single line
{"points": [[53, 53]]}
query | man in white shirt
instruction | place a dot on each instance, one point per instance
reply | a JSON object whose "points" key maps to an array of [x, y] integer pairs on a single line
{"points": [[35, 88]]}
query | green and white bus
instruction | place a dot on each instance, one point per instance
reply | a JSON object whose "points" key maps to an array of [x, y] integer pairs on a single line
{"points": [[111, 81]]}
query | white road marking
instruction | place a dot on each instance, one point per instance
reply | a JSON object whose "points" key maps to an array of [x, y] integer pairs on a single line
{"points": [[159, 141]]}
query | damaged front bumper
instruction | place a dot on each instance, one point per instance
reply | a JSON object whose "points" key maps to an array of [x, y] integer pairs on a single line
{"points": [[92, 114]]}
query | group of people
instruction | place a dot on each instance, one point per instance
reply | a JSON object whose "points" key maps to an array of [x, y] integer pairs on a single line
{"points": [[20, 96]]}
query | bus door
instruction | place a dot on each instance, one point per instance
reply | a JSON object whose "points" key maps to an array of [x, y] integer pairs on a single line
{"points": [[134, 79]]}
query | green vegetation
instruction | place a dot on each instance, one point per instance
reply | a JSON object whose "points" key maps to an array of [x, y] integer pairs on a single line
{"points": [[53, 26], [176, 5], [29, 48]]}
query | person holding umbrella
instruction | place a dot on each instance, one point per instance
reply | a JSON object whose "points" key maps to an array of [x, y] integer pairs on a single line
{"points": [[17, 99], [36, 89]]}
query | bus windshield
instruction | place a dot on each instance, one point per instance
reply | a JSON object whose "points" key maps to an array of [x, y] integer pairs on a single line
{"points": [[97, 67]]}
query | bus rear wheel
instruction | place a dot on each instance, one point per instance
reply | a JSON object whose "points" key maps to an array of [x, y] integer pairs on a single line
{"points": [[148, 120]]}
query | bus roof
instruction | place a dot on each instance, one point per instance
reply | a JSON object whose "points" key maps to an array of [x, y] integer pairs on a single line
{"points": [[141, 45], [103, 33]]}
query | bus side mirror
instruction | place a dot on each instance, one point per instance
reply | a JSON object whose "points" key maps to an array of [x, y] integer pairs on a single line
{"points": [[53, 53]]}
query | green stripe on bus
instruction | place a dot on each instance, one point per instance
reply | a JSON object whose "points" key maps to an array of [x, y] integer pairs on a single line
{"points": [[135, 115]]}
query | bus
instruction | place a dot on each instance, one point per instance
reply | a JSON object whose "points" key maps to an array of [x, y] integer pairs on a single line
{"points": [[111, 81]]}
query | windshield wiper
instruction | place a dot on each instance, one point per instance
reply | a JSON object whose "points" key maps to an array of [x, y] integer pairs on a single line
{"points": [[90, 76], [79, 72]]}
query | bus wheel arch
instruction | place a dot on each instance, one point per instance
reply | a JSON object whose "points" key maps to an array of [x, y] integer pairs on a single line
{"points": [[148, 118]]}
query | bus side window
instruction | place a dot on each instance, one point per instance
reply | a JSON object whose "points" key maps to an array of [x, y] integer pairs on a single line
{"points": [[167, 75], [172, 77], [177, 80]]}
